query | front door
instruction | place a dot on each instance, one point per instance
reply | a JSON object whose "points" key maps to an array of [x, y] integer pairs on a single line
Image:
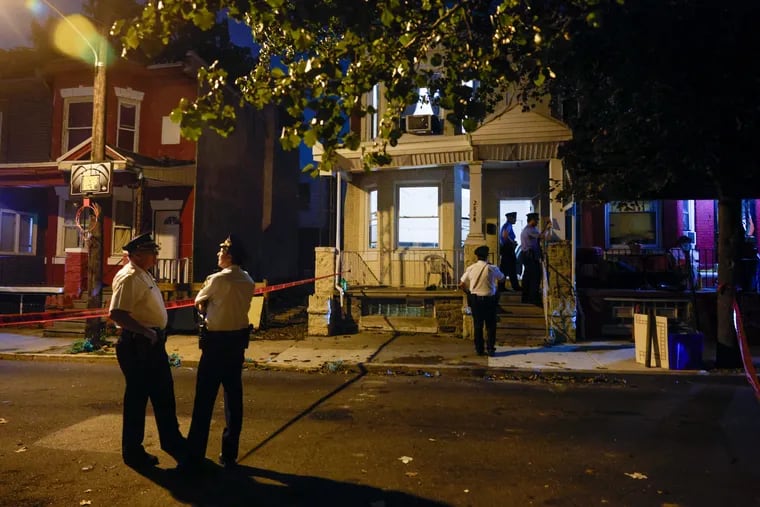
{"points": [[167, 233]]}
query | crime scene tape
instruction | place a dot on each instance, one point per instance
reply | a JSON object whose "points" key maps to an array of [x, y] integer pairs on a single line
{"points": [[749, 368], [90, 313]]}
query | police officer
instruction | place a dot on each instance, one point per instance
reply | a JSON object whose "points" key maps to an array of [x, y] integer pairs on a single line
{"points": [[480, 282], [530, 253], [507, 244], [223, 301], [138, 308]]}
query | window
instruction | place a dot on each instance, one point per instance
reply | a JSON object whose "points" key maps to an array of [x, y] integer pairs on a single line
{"points": [[77, 122], [129, 116], [749, 221], [372, 219], [122, 224], [18, 232], [633, 222], [71, 235], [418, 217], [465, 220]]}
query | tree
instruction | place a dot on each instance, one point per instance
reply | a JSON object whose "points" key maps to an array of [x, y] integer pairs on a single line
{"points": [[666, 107], [322, 56], [666, 94]]}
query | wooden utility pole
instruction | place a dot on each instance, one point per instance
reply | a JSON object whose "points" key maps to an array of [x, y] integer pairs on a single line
{"points": [[95, 241]]}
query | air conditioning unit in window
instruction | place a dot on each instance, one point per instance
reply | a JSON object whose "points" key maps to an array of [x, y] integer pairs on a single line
{"points": [[420, 124]]}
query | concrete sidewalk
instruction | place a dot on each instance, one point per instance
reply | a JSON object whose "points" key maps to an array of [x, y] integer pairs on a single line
{"points": [[380, 353]]}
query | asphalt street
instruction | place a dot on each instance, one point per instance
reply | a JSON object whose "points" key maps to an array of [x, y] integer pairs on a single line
{"points": [[380, 441]]}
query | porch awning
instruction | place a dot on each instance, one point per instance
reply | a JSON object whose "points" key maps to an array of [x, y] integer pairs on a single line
{"points": [[43, 174], [510, 135]]}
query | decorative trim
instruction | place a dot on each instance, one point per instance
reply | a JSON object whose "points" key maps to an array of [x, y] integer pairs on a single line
{"points": [[79, 91], [129, 93]]}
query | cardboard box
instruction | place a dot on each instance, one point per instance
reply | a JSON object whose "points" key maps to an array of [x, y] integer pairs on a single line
{"points": [[659, 347]]}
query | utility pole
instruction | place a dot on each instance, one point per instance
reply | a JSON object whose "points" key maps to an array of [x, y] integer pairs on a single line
{"points": [[95, 241]]}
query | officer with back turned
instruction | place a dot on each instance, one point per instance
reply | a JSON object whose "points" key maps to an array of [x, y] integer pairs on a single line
{"points": [[223, 302]]}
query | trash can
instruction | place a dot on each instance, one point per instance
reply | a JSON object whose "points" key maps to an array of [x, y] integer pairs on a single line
{"points": [[685, 351]]}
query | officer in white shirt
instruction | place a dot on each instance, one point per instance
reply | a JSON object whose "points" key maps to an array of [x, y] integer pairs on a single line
{"points": [[480, 281], [137, 306], [223, 301]]}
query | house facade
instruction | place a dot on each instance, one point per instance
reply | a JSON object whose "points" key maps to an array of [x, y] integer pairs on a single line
{"points": [[189, 195], [410, 228]]}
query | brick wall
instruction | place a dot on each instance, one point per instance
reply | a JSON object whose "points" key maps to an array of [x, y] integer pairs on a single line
{"points": [[75, 273]]}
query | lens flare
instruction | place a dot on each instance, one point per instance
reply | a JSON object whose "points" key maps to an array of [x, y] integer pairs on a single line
{"points": [[76, 36], [35, 6]]}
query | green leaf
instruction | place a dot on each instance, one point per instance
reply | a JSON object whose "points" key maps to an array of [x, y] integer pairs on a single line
{"points": [[310, 137]]}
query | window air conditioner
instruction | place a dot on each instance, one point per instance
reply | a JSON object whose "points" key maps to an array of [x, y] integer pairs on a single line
{"points": [[420, 124]]}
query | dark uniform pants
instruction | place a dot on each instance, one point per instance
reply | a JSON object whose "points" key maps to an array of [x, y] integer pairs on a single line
{"points": [[221, 363], [508, 265], [484, 312], [148, 376]]}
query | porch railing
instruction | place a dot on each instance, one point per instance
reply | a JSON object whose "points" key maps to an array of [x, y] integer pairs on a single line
{"points": [[403, 268], [696, 268], [173, 270]]}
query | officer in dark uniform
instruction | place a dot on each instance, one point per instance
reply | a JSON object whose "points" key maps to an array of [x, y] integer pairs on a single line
{"points": [[223, 302], [137, 306]]}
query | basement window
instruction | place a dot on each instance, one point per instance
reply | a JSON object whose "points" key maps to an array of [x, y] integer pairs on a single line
{"points": [[399, 307]]}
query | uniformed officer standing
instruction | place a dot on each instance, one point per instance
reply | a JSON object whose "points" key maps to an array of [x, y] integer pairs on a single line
{"points": [[138, 308], [224, 301], [480, 281]]}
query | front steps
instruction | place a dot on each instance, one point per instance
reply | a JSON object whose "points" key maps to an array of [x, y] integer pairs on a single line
{"points": [[519, 324]]}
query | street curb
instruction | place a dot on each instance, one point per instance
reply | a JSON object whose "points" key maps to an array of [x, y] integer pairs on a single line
{"points": [[435, 370]]}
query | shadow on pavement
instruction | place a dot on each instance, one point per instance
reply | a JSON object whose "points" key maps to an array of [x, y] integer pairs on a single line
{"points": [[255, 486]]}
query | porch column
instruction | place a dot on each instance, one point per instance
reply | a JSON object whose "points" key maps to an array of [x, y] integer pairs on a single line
{"points": [[556, 213], [475, 238], [322, 303]]}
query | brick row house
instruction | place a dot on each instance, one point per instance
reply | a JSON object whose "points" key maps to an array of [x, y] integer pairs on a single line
{"points": [[189, 195]]}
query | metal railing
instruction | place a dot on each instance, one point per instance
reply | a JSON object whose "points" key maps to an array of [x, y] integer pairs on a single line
{"points": [[697, 268], [172, 270], [403, 268]]}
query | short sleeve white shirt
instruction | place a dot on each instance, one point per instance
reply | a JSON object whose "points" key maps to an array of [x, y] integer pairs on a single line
{"points": [[135, 291], [228, 295], [486, 282]]}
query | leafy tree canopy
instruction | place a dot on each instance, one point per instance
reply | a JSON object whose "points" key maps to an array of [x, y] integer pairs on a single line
{"points": [[662, 99], [317, 58]]}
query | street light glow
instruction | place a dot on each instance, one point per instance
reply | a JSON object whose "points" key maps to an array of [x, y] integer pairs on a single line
{"points": [[73, 35]]}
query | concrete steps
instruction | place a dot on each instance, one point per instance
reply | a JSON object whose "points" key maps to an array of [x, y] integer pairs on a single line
{"points": [[519, 324], [68, 328]]}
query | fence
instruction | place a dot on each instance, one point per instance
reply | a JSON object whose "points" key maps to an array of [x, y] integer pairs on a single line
{"points": [[697, 267], [403, 268], [173, 270]]}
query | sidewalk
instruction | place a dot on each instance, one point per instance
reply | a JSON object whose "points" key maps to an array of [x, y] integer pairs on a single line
{"points": [[383, 353]]}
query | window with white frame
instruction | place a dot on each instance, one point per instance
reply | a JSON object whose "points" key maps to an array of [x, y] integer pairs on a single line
{"points": [[128, 120], [633, 222], [465, 220], [18, 232], [123, 219], [72, 237], [127, 129], [418, 221], [372, 233], [77, 121]]}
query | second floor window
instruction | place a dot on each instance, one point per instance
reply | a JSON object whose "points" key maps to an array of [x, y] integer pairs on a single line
{"points": [[126, 136], [77, 122], [18, 232]]}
